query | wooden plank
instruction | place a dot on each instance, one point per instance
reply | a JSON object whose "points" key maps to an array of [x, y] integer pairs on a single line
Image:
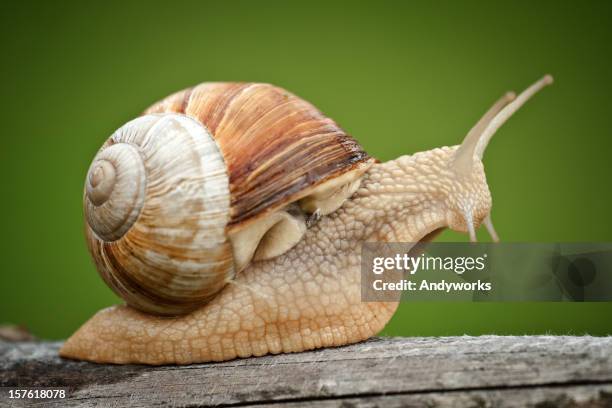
{"points": [[541, 397], [495, 370]]}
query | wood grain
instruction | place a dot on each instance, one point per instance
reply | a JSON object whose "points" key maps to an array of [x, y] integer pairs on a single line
{"points": [[448, 371]]}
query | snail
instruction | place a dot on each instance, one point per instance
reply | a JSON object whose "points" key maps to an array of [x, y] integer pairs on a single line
{"points": [[229, 217]]}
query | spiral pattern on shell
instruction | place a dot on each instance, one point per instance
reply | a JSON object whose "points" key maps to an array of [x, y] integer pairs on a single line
{"points": [[115, 189], [157, 204]]}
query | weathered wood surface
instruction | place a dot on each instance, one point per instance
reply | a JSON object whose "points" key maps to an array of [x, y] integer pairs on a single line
{"points": [[541, 371]]}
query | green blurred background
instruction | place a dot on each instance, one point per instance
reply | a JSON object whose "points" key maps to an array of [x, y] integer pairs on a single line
{"points": [[400, 77]]}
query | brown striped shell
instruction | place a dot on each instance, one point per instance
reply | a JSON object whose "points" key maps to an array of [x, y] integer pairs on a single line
{"points": [[181, 199]]}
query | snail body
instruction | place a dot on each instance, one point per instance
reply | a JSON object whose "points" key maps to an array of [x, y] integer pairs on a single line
{"points": [[202, 209]]}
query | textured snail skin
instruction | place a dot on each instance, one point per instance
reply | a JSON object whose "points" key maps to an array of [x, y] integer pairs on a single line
{"points": [[310, 296]]}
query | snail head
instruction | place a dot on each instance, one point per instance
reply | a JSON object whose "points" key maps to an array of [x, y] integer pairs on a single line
{"points": [[469, 202]]}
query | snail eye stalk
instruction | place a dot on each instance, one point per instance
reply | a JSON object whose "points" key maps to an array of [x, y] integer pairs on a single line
{"points": [[473, 146], [507, 112]]}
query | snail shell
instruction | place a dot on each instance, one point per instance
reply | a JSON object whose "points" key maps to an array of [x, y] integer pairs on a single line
{"points": [[209, 179]]}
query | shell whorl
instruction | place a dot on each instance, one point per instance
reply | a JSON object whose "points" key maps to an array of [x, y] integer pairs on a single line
{"points": [[114, 189], [157, 204]]}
